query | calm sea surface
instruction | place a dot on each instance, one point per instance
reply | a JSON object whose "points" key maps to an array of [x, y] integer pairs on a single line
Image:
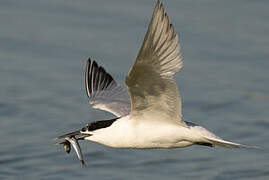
{"points": [[224, 85]]}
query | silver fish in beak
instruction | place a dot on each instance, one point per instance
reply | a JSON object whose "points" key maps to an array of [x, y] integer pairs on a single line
{"points": [[70, 139], [67, 147], [77, 148]]}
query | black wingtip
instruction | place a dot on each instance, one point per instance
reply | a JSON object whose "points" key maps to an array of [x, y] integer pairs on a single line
{"points": [[96, 78], [89, 60]]}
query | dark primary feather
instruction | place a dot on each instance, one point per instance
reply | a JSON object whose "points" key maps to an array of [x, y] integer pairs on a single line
{"points": [[96, 78], [104, 92]]}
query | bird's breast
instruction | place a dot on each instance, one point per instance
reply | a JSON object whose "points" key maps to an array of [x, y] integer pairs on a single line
{"points": [[127, 133]]}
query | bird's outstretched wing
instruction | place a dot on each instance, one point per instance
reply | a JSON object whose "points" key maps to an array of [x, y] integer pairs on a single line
{"points": [[104, 92], [150, 81]]}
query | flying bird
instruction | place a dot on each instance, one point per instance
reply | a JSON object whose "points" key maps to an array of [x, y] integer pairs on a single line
{"points": [[148, 108]]}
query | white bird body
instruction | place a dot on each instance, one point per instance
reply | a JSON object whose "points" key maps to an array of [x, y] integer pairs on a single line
{"points": [[149, 113], [152, 132], [129, 133]]}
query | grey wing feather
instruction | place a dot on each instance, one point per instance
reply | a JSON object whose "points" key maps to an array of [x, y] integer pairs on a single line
{"points": [[104, 92], [150, 81]]}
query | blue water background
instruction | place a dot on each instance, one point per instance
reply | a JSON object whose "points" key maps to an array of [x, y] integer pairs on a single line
{"points": [[224, 85]]}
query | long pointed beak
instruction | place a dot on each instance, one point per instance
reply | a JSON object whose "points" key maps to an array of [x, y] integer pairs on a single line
{"points": [[68, 134]]}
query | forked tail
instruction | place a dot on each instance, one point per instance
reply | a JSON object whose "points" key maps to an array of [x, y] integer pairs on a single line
{"points": [[228, 144], [214, 140]]}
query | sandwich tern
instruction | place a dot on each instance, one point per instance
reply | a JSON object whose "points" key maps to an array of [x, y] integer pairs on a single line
{"points": [[148, 111]]}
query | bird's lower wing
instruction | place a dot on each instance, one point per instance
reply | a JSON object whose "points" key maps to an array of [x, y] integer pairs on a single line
{"points": [[104, 92]]}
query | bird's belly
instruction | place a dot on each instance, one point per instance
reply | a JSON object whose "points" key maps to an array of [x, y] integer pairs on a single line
{"points": [[162, 137], [145, 136]]}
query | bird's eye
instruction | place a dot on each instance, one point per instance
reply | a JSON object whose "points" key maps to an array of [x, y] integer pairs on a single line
{"points": [[84, 129]]}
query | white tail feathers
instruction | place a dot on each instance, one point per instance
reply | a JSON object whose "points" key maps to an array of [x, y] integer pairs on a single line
{"points": [[228, 144], [211, 138]]}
